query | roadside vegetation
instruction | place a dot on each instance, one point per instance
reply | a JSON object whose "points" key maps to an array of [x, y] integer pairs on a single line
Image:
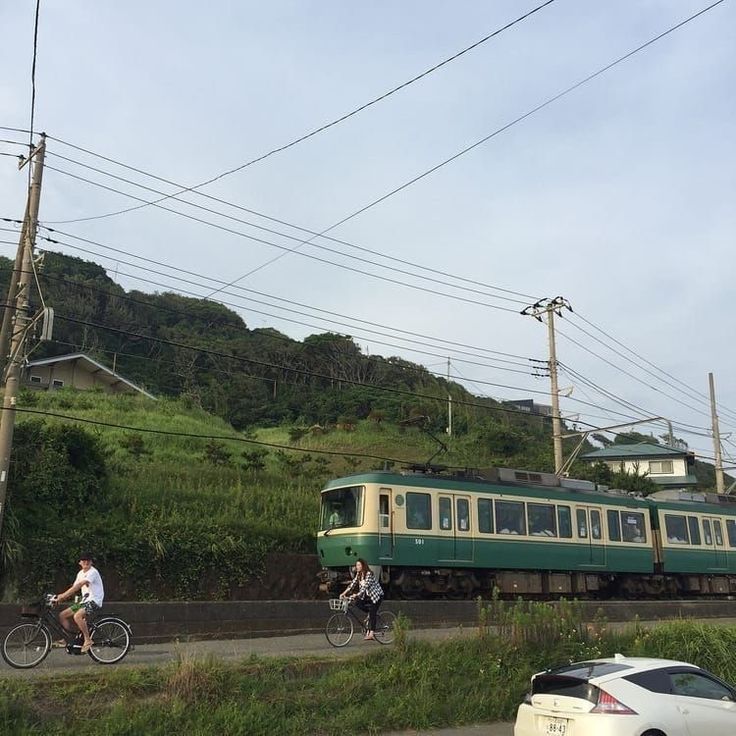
{"points": [[473, 679]]}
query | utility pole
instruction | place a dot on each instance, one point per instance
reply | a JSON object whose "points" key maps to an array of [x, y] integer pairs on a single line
{"points": [[9, 306], [720, 485], [449, 402], [20, 323], [550, 307]]}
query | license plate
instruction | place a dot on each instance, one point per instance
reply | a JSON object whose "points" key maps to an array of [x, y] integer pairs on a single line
{"points": [[556, 727]]}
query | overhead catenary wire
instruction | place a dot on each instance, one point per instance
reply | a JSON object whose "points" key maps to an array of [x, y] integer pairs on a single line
{"points": [[336, 121]]}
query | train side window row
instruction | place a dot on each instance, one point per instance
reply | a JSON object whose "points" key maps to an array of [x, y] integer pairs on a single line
{"points": [[680, 529]]}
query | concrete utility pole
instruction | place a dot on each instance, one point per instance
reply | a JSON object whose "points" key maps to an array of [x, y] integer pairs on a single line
{"points": [[20, 323], [9, 306], [720, 485], [449, 402], [550, 307]]}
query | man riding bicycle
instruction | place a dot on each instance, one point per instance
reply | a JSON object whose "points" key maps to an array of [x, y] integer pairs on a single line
{"points": [[89, 582]]}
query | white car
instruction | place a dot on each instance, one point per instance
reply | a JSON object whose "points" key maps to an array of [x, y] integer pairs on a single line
{"points": [[627, 696]]}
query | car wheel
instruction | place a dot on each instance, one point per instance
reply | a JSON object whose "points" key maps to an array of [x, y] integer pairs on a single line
{"points": [[654, 733]]}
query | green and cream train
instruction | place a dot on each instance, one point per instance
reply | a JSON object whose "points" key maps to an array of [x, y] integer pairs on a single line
{"points": [[533, 534]]}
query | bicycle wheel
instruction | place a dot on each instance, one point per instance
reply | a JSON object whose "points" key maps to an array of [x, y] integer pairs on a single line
{"points": [[339, 629], [110, 641], [26, 645], [385, 631]]}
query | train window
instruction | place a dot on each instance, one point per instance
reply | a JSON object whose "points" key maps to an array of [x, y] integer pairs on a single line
{"points": [[445, 512], [383, 514], [694, 528], [418, 510], [542, 522], [595, 524], [485, 515], [564, 521], [582, 518], [510, 517], [676, 529], [463, 514], [707, 534], [731, 529], [614, 526], [633, 528], [718, 531], [342, 507]]}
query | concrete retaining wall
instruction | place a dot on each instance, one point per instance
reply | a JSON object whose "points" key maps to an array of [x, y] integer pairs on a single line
{"points": [[152, 622]]}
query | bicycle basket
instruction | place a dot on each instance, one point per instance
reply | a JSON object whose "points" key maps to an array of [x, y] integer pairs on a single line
{"points": [[339, 604], [30, 611]]}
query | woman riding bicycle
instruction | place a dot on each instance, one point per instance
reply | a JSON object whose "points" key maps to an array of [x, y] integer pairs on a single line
{"points": [[368, 594]]}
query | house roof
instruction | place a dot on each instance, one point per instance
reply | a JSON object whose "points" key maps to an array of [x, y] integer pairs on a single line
{"points": [[633, 452], [105, 374]]}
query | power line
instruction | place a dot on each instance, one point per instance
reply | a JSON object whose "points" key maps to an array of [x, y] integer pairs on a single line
{"points": [[306, 255], [262, 215], [620, 344], [278, 233], [331, 124], [496, 132], [423, 337]]}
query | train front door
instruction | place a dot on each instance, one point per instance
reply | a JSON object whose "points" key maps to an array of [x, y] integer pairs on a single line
{"points": [[385, 525], [589, 529], [456, 535]]}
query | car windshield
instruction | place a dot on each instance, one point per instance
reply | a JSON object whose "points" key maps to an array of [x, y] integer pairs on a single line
{"points": [[342, 507]]}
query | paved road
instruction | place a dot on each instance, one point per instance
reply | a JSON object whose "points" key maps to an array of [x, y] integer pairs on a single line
{"points": [[487, 729], [314, 645]]}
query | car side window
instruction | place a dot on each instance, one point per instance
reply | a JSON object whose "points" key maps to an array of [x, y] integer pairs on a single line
{"points": [[697, 685], [656, 681]]}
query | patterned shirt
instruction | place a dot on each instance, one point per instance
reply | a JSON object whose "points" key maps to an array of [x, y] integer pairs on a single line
{"points": [[368, 587]]}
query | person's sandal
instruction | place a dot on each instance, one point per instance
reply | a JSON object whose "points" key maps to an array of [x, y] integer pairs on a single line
{"points": [[59, 644], [86, 647]]}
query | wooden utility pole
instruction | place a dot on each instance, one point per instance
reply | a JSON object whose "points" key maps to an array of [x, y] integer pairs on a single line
{"points": [[550, 307], [20, 322], [720, 485]]}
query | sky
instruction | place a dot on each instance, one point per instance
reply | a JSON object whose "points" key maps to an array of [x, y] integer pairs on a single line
{"points": [[617, 196]]}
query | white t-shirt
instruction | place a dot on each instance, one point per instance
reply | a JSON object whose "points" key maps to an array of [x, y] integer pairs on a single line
{"points": [[93, 590]]}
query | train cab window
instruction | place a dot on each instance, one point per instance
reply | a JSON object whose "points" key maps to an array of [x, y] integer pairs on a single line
{"points": [[707, 533], [445, 513], [510, 517], [633, 528], [342, 507], [582, 518], [676, 529], [718, 532], [595, 524], [463, 514], [383, 512], [731, 531], [614, 525], [694, 529], [564, 521], [542, 522], [418, 510], [485, 516]]}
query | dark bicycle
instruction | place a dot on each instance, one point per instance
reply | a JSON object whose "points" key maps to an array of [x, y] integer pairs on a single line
{"points": [[342, 625], [28, 644]]}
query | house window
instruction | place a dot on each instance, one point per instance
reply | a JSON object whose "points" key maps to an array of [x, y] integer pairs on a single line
{"points": [[660, 467], [56, 383], [35, 379]]}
